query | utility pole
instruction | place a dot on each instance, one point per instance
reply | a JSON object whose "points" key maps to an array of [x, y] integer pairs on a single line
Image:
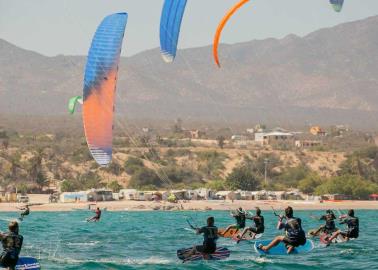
{"points": [[266, 162]]}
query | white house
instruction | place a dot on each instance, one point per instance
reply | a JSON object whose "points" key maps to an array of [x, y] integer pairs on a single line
{"points": [[226, 195], [275, 137], [245, 195], [192, 195], [204, 193], [128, 194]]}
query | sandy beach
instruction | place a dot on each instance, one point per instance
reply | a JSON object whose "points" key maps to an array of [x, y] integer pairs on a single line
{"points": [[40, 203]]}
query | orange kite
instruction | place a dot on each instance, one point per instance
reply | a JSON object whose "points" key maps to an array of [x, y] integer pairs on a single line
{"points": [[222, 25]]}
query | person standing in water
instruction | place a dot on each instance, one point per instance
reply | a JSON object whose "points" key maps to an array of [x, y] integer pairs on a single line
{"points": [[97, 216], [294, 233], [329, 227], [259, 227], [353, 227], [210, 236], [240, 217], [12, 244]]}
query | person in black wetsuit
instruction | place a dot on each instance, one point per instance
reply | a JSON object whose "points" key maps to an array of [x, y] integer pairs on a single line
{"points": [[210, 236], [295, 235], [240, 217], [353, 227], [329, 227], [97, 216], [12, 244], [259, 227], [25, 212]]}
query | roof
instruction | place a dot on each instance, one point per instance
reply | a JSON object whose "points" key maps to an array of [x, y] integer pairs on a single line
{"points": [[224, 193], [278, 133]]}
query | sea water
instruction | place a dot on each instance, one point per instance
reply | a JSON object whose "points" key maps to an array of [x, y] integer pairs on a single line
{"points": [[149, 240]]}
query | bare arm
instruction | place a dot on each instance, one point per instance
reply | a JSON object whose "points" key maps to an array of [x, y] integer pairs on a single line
{"points": [[280, 224]]}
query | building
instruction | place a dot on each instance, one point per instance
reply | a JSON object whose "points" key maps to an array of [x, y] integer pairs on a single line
{"points": [[72, 197], [128, 194], [226, 195], [239, 138], [245, 195], [274, 138], [180, 194], [196, 134], [205, 194], [100, 195], [136, 195], [307, 143], [317, 131], [336, 197], [259, 195], [192, 195]]}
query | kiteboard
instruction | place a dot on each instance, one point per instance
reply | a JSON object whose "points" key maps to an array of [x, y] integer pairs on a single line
{"points": [[229, 234], [220, 253], [324, 239], [27, 263], [249, 236], [281, 249]]}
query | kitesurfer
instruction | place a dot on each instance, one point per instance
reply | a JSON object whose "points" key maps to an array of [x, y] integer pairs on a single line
{"points": [[240, 217], [259, 227], [12, 244], [329, 227], [353, 227], [97, 216], [295, 235], [25, 211], [210, 236]]}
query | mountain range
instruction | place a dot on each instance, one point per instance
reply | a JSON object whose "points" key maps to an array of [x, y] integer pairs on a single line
{"points": [[329, 76]]}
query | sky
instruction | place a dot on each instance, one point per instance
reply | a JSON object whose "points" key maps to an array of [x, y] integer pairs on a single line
{"points": [[53, 27]]}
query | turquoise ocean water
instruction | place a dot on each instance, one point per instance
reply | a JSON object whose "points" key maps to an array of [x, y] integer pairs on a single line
{"points": [[149, 240]]}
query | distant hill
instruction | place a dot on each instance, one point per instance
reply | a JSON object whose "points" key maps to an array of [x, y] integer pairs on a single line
{"points": [[329, 76]]}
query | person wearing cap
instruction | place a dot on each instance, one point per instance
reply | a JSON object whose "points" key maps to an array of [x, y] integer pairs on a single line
{"points": [[329, 227], [259, 227], [240, 217]]}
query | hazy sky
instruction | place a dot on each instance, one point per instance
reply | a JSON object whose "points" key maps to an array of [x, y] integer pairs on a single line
{"points": [[54, 27]]}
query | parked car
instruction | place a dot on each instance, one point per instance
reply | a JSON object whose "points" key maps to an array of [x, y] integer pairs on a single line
{"points": [[22, 198]]}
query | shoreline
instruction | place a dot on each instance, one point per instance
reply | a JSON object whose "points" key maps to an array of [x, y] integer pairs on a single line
{"points": [[41, 206]]}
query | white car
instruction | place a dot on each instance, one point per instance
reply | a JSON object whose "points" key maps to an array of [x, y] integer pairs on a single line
{"points": [[22, 199]]}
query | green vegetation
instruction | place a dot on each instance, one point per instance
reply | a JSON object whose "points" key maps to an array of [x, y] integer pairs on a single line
{"points": [[133, 164], [242, 178], [145, 177], [115, 186], [32, 163]]}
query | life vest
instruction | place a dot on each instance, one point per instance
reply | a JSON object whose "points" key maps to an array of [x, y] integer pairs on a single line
{"points": [[12, 244], [294, 229]]}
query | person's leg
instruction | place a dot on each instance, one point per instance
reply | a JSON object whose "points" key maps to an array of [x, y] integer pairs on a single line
{"points": [[336, 234], [240, 236], [229, 228], [272, 244], [254, 231], [290, 249]]}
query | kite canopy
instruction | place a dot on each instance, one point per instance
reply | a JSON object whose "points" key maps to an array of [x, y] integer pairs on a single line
{"points": [[337, 5], [100, 84], [72, 103], [170, 24], [221, 25]]}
